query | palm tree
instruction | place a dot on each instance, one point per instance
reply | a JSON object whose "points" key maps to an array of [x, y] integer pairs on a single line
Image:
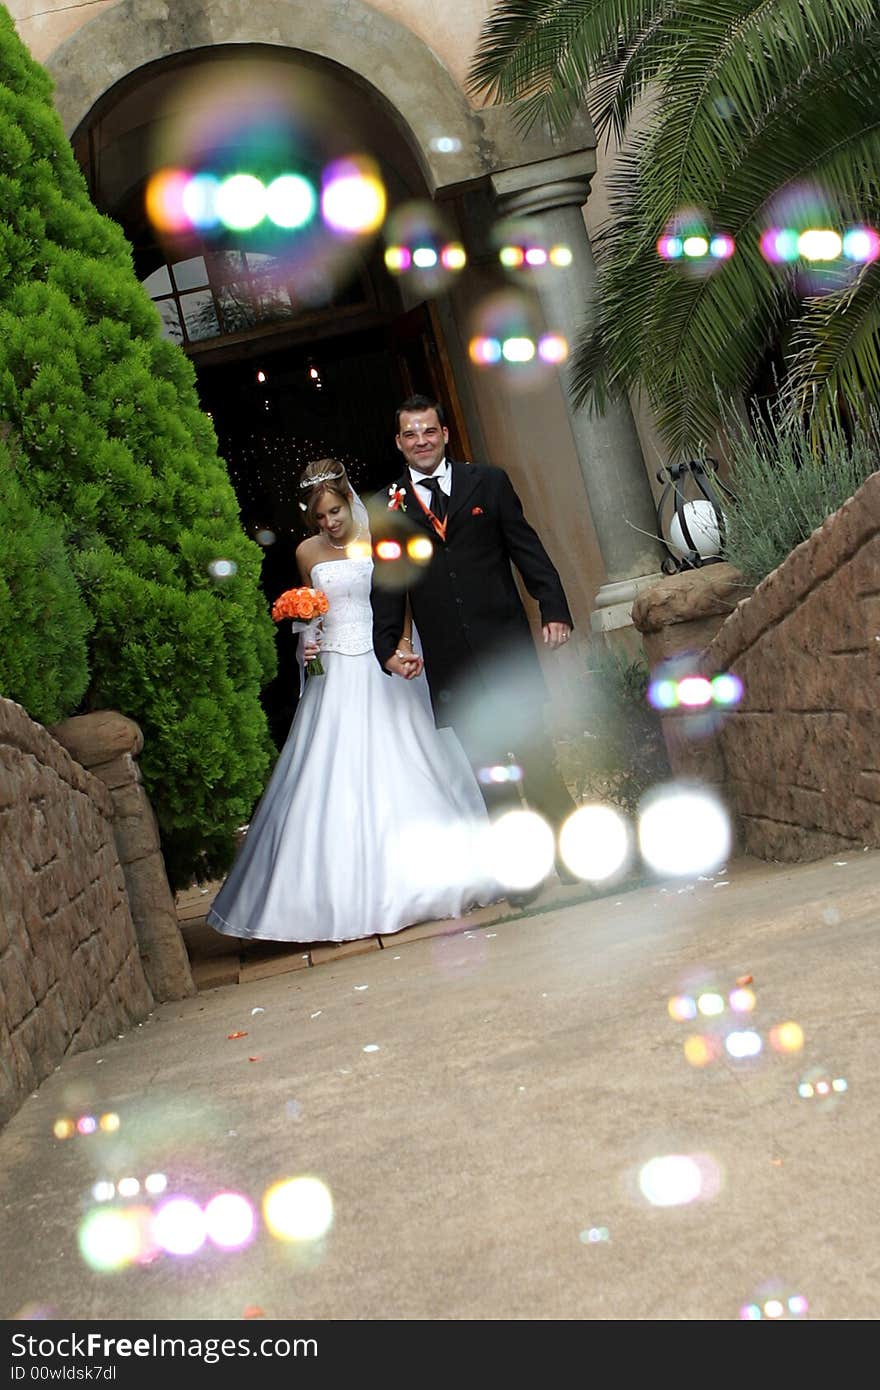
{"points": [[752, 113]]}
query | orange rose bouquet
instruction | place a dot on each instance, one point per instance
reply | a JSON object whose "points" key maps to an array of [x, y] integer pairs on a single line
{"points": [[302, 606]]}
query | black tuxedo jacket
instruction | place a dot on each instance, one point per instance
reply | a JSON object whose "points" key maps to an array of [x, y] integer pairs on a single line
{"points": [[465, 603]]}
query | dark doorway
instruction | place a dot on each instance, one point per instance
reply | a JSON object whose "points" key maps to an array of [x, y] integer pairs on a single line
{"points": [[279, 407]]}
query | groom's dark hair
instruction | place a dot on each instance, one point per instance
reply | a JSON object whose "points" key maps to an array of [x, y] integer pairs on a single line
{"points": [[413, 403]]}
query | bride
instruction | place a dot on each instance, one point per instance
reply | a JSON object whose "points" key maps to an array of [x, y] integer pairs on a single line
{"points": [[372, 818]]}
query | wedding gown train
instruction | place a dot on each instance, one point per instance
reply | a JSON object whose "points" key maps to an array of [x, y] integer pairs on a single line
{"points": [[372, 819]]}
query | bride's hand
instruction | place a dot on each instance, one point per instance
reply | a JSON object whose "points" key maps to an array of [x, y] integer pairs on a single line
{"points": [[310, 650]]}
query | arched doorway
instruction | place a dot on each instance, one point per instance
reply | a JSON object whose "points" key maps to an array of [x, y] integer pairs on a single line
{"points": [[295, 358]]}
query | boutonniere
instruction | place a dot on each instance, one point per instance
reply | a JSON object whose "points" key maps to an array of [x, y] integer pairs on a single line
{"points": [[476, 511], [396, 498]]}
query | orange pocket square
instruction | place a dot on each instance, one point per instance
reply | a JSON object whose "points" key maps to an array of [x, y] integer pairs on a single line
{"points": [[476, 511]]}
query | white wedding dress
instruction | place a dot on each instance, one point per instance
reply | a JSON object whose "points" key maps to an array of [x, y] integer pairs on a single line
{"points": [[372, 819]]}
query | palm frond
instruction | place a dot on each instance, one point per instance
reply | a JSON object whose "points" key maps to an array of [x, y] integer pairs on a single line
{"points": [[836, 350]]}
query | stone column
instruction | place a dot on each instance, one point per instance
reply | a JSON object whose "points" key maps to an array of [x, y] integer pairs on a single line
{"points": [[107, 743], [552, 192]]}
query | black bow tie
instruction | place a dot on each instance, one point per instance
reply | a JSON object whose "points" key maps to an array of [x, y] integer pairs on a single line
{"points": [[438, 496]]}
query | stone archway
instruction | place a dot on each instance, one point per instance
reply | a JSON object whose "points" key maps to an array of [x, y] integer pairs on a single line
{"points": [[535, 176], [372, 47]]}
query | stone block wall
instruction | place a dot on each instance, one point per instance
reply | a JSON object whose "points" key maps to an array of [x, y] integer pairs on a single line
{"points": [[70, 969], [801, 753]]}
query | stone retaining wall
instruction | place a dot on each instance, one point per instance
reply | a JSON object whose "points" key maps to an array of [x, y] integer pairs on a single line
{"points": [[801, 753], [70, 970]]}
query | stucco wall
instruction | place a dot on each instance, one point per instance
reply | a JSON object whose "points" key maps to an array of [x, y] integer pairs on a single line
{"points": [[70, 969]]}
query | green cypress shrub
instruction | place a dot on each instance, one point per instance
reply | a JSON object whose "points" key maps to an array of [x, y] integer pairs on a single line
{"points": [[118, 453], [44, 622]]}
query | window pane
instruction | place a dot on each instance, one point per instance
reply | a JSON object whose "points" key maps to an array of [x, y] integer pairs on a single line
{"points": [[189, 274], [237, 306], [171, 328], [226, 265], [158, 283], [199, 315]]}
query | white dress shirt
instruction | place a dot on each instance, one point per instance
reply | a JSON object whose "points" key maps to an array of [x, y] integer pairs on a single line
{"points": [[442, 472]]}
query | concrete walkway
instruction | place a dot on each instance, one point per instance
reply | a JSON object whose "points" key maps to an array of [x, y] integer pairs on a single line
{"points": [[481, 1106]]}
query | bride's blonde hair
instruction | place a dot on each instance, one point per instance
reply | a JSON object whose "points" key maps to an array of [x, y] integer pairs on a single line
{"points": [[320, 476]]}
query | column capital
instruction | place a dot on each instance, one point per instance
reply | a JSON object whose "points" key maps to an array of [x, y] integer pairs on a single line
{"points": [[544, 185]]}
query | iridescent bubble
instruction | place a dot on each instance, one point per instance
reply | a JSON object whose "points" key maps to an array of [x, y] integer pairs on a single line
{"points": [[444, 144], [820, 244], [164, 200], [241, 202], [178, 1226], [675, 1180], [519, 849], [199, 201], [298, 1209], [524, 251], [508, 337], [499, 773], [110, 1122], [87, 1124], [688, 241], [742, 1001], [595, 842], [64, 1129], [265, 537], [743, 1043], [109, 1239], [787, 1037], [775, 1302], [683, 830], [861, 244], [222, 569], [711, 1004], [681, 1008], [422, 247], [230, 1220], [291, 201], [353, 196], [821, 1087], [700, 1049], [594, 1235]]}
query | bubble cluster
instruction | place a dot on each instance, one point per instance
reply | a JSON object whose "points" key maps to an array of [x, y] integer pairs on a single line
{"points": [[111, 1237], [822, 1088], [66, 1128], [695, 692], [421, 248], [784, 245], [696, 246], [775, 1305], [509, 338], [534, 256]]}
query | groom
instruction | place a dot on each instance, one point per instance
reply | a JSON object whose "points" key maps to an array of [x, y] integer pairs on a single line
{"points": [[482, 668]]}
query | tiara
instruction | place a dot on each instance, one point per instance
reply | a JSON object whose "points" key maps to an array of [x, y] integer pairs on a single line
{"points": [[322, 478]]}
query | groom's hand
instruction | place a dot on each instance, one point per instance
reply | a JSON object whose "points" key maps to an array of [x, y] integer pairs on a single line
{"points": [[556, 634], [404, 664]]}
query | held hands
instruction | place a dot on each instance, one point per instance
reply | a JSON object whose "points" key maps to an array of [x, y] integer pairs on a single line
{"points": [[556, 634], [405, 664]]}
